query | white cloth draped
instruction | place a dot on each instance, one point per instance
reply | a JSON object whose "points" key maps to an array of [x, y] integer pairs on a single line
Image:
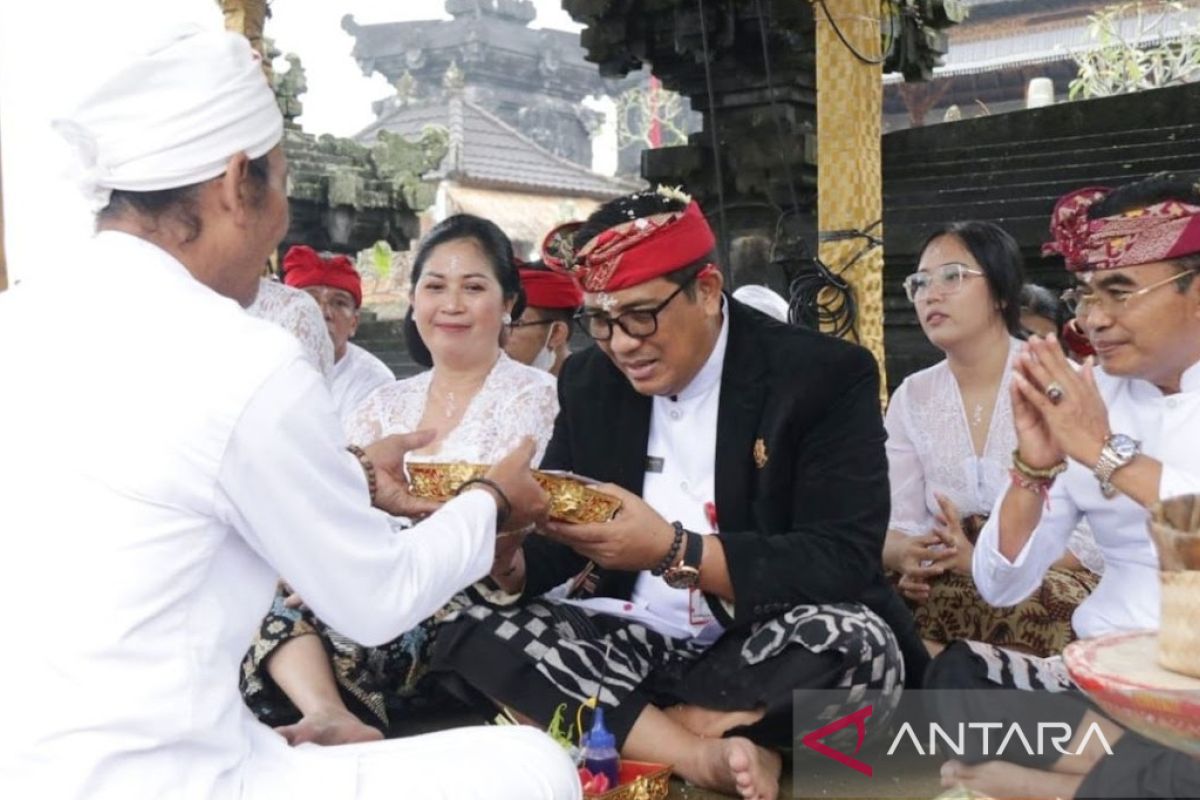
{"points": [[152, 494]]}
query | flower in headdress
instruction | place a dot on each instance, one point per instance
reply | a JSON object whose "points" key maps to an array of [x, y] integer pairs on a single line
{"points": [[673, 193], [1071, 228]]}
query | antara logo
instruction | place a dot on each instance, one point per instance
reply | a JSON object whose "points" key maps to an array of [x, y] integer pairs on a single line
{"points": [[859, 720], [1011, 737], [957, 745]]}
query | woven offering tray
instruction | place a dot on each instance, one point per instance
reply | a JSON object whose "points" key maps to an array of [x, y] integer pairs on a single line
{"points": [[571, 498], [639, 781], [1122, 674]]}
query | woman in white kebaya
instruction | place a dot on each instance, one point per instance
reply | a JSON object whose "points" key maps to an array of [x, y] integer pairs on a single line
{"points": [[950, 443], [304, 677]]}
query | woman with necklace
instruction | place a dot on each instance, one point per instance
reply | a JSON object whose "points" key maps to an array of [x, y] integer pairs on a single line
{"points": [[303, 677], [950, 443]]}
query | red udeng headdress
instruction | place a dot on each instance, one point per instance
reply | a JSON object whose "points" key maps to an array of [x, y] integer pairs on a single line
{"points": [[633, 252], [546, 288], [1159, 232], [303, 266]]}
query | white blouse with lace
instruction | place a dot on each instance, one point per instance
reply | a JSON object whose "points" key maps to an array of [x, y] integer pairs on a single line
{"points": [[298, 314], [515, 401], [929, 449]]}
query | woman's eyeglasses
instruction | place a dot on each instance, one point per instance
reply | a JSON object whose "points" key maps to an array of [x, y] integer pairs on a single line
{"points": [[948, 278]]}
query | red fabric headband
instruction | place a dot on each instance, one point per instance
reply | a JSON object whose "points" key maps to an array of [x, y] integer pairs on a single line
{"points": [[643, 249], [547, 289], [1156, 233], [302, 267]]}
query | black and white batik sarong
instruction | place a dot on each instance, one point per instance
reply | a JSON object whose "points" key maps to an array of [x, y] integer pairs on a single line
{"points": [[537, 656]]}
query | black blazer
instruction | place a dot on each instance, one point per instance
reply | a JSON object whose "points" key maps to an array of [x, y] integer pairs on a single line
{"points": [[807, 526]]}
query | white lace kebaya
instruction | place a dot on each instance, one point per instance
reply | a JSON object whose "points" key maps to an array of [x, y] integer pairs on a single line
{"points": [[298, 314], [929, 450], [515, 401]]}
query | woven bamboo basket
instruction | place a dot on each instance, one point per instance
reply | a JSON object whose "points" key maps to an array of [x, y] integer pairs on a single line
{"points": [[1175, 529]]}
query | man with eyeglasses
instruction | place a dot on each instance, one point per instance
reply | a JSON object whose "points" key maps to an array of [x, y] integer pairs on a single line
{"points": [[1103, 444], [540, 337], [745, 560], [336, 286]]}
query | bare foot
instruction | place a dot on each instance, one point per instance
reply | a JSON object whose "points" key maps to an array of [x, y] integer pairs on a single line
{"points": [[335, 726], [1000, 779], [735, 766], [709, 723]]}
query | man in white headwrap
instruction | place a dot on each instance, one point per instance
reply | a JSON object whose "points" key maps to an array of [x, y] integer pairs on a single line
{"points": [[153, 493]]}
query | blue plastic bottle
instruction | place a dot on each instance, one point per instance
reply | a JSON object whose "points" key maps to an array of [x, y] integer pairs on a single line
{"points": [[600, 751]]}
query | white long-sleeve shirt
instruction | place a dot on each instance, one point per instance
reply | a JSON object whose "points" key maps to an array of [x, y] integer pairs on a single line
{"points": [[1128, 595], [355, 376], [151, 495]]}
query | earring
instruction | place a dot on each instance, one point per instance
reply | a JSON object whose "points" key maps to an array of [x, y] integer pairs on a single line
{"points": [[507, 318]]}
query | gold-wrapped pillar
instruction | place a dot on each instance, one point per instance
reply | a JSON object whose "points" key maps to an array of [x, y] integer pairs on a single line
{"points": [[849, 183], [247, 17]]}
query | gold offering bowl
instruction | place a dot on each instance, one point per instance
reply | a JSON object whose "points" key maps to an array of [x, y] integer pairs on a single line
{"points": [[571, 500]]}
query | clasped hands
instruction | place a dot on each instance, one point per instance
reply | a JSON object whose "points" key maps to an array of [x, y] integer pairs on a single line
{"points": [[921, 559], [1075, 425]]}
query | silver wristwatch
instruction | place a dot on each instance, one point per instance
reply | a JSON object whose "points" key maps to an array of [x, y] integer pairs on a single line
{"points": [[1118, 451]]}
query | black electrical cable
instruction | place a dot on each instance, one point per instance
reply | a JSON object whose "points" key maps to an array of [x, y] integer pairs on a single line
{"points": [[845, 41], [716, 147]]}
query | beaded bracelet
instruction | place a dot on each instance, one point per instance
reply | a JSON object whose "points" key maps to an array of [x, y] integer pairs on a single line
{"points": [[669, 558], [503, 507], [368, 468], [1035, 474]]}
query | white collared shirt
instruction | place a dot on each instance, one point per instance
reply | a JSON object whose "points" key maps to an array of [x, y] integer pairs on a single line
{"points": [[680, 480], [355, 376], [1127, 598]]}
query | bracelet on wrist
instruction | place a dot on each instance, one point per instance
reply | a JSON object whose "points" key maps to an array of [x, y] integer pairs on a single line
{"points": [[503, 506], [368, 469], [1039, 486], [669, 559], [1034, 473]]}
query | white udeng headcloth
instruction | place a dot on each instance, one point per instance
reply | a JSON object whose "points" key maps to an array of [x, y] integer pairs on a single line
{"points": [[173, 117]]}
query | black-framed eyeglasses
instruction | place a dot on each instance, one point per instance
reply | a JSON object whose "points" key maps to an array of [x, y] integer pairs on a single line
{"points": [[639, 323]]}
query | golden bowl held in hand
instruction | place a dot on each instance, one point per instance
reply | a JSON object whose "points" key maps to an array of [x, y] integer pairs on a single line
{"points": [[571, 499]]}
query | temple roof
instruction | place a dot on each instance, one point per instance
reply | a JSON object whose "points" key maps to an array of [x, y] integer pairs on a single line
{"points": [[490, 48], [485, 151], [1017, 34]]}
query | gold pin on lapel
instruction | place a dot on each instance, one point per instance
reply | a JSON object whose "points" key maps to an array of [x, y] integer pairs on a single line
{"points": [[760, 453]]}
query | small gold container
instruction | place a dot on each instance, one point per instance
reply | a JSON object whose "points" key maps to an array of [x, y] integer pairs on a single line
{"points": [[639, 781], [571, 500]]}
